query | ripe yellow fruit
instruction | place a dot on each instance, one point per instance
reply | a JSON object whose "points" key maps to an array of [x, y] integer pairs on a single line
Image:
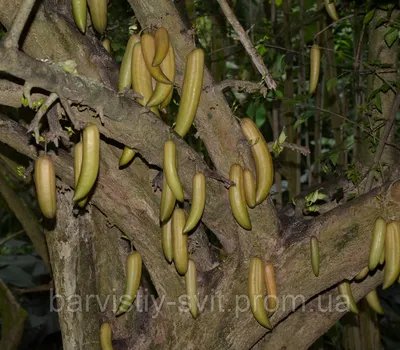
{"points": [[133, 276], [256, 292], [191, 91], [45, 182], [262, 158], [315, 63], [236, 197]]}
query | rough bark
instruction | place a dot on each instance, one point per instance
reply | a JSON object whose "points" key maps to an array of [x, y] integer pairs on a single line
{"points": [[128, 202]]}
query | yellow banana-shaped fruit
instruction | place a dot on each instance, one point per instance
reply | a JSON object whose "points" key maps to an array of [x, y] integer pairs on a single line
{"points": [[315, 257], [90, 162], [179, 241], [148, 51], [236, 197], [315, 63], [249, 185], [133, 276], [347, 296], [198, 202], [256, 292], [78, 156], [107, 45], [170, 170], [98, 13], [331, 9], [382, 259], [79, 12], [162, 91], [127, 156], [392, 254], [191, 91], [125, 72], [166, 240], [166, 102], [191, 288], [377, 243], [373, 301], [262, 158], [161, 39], [141, 78], [106, 336], [168, 201], [141, 83], [45, 183], [362, 274], [270, 286]]}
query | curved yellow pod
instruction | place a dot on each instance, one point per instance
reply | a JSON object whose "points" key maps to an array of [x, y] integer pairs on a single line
{"points": [[315, 63], [256, 292], [315, 257], [45, 183], [90, 162], [133, 276], [373, 301], [78, 156], [162, 43], [141, 78], [262, 158], [98, 13], [377, 243], [347, 296], [236, 197], [392, 254], [170, 170], [168, 201], [167, 101], [162, 91], [249, 185], [79, 12], [106, 336], [198, 202], [127, 155], [362, 274], [191, 288], [331, 9], [270, 286], [191, 91], [166, 240], [107, 45], [148, 50], [125, 72], [179, 241]]}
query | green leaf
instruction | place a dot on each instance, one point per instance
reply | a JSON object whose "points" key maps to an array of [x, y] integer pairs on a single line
{"points": [[331, 84], [333, 157], [378, 102], [381, 21], [391, 36], [368, 17]]}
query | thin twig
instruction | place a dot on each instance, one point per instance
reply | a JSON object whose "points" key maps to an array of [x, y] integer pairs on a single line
{"points": [[12, 37], [55, 131], [11, 236], [330, 25], [34, 126], [248, 86], [27, 93], [70, 113], [383, 139], [216, 176], [246, 42], [294, 147]]}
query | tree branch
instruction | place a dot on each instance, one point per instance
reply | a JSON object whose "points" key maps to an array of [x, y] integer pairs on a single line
{"points": [[382, 141], [13, 35], [247, 86], [246, 42]]}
